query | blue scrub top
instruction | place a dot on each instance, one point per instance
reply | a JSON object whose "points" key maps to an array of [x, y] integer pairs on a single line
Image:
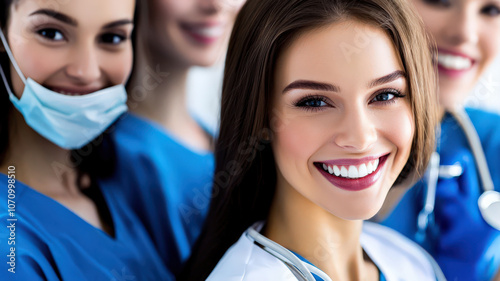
{"points": [[53, 243], [463, 244], [154, 162]]}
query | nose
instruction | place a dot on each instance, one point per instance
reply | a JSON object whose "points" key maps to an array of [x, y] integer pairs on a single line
{"points": [[463, 28], [212, 6], [84, 66], [356, 131]]}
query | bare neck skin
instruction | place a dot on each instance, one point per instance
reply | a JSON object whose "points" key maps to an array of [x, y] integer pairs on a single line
{"points": [[330, 243], [157, 91], [47, 168]]}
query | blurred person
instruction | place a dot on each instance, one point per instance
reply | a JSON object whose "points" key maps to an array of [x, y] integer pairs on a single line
{"points": [[161, 143], [442, 211]]}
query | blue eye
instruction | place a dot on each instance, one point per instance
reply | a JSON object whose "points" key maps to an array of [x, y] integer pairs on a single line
{"points": [[386, 96], [51, 34], [491, 10], [312, 102], [383, 97], [112, 38]]}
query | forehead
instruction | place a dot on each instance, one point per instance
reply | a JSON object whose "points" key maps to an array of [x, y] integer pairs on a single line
{"points": [[88, 12], [338, 52]]}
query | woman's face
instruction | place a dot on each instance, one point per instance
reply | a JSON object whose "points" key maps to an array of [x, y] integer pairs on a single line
{"points": [[191, 32], [467, 33], [71, 47], [342, 119]]}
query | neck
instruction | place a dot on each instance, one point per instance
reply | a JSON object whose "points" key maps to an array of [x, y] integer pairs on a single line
{"points": [[330, 243], [39, 163], [157, 91], [157, 88]]}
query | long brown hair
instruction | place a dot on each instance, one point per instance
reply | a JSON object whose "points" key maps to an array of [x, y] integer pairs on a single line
{"points": [[245, 175]]}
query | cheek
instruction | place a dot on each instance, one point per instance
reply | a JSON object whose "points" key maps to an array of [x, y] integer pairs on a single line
{"points": [[296, 140], [35, 62], [490, 44], [118, 66], [398, 128]]}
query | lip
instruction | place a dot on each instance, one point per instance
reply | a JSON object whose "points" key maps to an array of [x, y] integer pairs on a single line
{"points": [[345, 162], [214, 30], [353, 184], [453, 73], [455, 53], [72, 91]]}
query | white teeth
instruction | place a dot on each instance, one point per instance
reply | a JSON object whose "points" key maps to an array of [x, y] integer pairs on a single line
{"points": [[343, 172], [330, 170], [336, 170], [454, 62], [214, 31], [369, 168], [362, 171], [351, 171]]}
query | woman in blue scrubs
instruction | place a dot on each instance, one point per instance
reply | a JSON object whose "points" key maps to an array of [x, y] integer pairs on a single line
{"points": [[161, 143], [63, 66], [467, 33], [325, 104]]}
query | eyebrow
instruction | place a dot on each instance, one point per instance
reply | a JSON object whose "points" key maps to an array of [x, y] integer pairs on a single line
{"points": [[118, 23], [388, 78], [313, 85], [71, 21], [56, 15]]}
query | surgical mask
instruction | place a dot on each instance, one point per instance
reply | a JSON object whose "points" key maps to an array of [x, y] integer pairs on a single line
{"points": [[68, 121]]}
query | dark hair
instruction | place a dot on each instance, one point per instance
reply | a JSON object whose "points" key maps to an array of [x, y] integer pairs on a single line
{"points": [[245, 175], [5, 104], [97, 159]]}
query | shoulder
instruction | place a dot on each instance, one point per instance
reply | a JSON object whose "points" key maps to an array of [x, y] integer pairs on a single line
{"points": [[245, 261], [394, 254], [485, 122]]}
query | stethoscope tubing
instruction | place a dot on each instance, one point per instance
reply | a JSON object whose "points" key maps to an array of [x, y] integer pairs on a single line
{"points": [[305, 269]]}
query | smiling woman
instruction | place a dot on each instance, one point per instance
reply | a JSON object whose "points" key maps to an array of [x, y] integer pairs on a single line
{"points": [[63, 66], [325, 105]]}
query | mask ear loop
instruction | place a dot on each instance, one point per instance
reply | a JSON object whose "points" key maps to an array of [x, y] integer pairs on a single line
{"points": [[11, 57]]}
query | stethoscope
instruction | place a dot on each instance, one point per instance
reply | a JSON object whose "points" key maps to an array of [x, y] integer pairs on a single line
{"points": [[488, 202], [303, 271]]}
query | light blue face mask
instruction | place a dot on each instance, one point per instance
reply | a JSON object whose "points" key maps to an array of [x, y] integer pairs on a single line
{"points": [[68, 121]]}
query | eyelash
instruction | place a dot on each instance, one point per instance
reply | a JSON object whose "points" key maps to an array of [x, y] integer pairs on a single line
{"points": [[102, 38], [302, 103]]}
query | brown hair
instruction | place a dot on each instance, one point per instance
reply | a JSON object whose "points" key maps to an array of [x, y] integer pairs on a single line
{"points": [[245, 175]]}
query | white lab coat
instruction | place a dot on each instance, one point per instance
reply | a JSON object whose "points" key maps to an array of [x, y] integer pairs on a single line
{"points": [[397, 257]]}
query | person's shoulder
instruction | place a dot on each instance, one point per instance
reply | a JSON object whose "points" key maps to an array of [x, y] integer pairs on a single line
{"points": [[245, 261], [484, 120], [394, 254]]}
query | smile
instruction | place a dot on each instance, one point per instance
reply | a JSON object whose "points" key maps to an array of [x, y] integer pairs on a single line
{"points": [[454, 62], [352, 171], [204, 33], [352, 174], [71, 92]]}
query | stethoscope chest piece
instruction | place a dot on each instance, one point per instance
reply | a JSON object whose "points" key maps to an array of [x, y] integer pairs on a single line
{"points": [[489, 204]]}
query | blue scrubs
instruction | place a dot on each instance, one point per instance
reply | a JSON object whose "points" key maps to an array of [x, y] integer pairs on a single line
{"points": [[463, 244], [154, 162], [53, 243]]}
